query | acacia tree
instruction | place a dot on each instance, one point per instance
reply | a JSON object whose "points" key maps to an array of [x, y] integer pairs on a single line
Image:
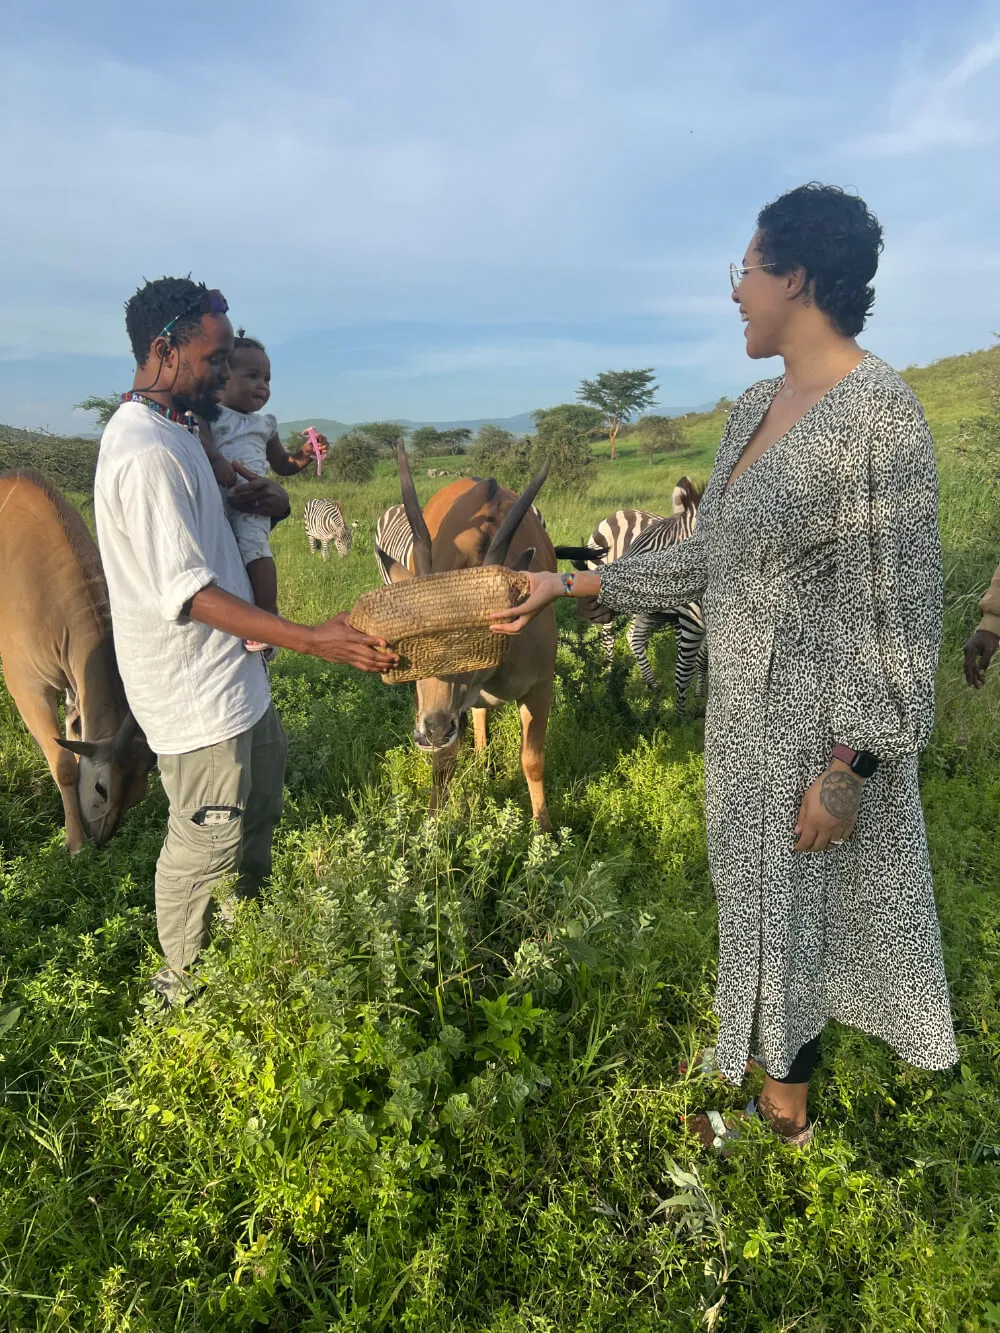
{"points": [[579, 415], [428, 442], [104, 407], [659, 435], [384, 434], [619, 394]]}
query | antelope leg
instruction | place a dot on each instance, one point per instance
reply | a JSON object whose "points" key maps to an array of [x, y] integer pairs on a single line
{"points": [[534, 708]]}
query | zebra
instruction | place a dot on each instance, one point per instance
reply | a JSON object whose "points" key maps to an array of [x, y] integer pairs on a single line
{"points": [[635, 531], [324, 523], [394, 540]]}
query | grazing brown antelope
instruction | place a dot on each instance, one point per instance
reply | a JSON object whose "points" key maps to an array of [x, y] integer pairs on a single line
{"points": [[466, 524], [55, 638]]}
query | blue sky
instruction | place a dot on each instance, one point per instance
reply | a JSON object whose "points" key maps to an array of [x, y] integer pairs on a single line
{"points": [[440, 210]]}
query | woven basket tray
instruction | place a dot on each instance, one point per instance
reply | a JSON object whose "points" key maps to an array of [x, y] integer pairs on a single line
{"points": [[439, 624]]}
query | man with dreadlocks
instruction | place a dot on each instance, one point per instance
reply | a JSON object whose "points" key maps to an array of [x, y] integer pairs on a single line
{"points": [[244, 436], [181, 606]]}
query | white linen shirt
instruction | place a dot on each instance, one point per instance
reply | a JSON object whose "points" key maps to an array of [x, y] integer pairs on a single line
{"points": [[163, 537]]}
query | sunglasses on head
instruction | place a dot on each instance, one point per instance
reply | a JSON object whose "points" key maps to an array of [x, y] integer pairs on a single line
{"points": [[206, 303]]}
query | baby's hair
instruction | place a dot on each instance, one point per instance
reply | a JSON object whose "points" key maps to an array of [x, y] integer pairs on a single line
{"points": [[241, 340]]}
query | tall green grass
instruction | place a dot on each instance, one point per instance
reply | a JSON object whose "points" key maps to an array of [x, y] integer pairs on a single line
{"points": [[431, 1083]]}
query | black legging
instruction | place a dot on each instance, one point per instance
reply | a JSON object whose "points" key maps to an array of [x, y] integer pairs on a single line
{"points": [[804, 1064]]}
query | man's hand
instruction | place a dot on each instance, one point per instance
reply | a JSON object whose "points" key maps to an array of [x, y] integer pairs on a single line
{"points": [[337, 640], [829, 809], [979, 650], [258, 495]]}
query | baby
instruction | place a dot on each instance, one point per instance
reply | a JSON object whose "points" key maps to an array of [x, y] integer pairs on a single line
{"points": [[245, 435]]}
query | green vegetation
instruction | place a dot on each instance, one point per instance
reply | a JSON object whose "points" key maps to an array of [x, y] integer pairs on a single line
{"points": [[427, 442], [103, 407], [619, 395], [659, 435], [68, 461], [353, 458], [497, 453], [431, 1082]]}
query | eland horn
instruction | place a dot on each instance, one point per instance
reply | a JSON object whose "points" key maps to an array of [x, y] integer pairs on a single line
{"points": [[414, 514], [496, 553]]}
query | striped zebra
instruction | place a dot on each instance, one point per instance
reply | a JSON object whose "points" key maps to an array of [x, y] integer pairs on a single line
{"points": [[635, 531], [394, 540], [324, 523]]}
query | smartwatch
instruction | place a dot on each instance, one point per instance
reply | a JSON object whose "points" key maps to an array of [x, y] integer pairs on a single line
{"points": [[861, 762]]}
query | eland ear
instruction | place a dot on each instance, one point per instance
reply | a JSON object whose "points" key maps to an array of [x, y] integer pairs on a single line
{"points": [[398, 573], [524, 560]]}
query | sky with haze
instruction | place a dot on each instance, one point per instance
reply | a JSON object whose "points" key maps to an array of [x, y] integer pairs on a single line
{"points": [[438, 210]]}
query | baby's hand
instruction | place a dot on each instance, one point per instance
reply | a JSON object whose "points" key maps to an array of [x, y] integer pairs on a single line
{"points": [[225, 473]]}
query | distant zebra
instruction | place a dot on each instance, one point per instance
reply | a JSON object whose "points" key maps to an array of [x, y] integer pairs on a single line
{"points": [[324, 523], [394, 540], [635, 531]]}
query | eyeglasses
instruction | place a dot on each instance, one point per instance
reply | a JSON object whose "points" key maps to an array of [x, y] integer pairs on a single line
{"points": [[736, 272], [206, 303]]}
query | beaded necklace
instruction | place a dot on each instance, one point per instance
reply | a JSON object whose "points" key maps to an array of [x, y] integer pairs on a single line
{"points": [[185, 419]]}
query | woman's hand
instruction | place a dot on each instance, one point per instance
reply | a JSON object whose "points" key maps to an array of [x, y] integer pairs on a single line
{"points": [[543, 588], [829, 809]]}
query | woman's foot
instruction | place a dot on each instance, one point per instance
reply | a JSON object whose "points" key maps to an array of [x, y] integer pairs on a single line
{"points": [[716, 1130]]}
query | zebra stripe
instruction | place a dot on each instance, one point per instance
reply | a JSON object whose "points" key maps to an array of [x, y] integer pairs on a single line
{"points": [[324, 523], [635, 531], [394, 540]]}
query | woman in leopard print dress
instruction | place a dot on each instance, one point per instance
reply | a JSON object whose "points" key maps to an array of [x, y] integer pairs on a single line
{"points": [[817, 560]]}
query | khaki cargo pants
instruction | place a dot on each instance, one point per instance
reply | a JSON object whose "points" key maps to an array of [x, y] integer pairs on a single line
{"points": [[224, 803]]}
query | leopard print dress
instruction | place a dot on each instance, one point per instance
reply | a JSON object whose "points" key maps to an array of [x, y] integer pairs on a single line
{"points": [[820, 575]]}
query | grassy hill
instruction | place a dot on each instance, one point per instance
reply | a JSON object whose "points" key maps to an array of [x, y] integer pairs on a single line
{"points": [[518, 425], [432, 1081]]}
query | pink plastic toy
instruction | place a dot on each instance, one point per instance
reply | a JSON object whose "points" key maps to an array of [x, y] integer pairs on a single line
{"points": [[318, 445]]}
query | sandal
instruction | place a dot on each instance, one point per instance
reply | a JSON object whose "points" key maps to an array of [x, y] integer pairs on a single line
{"points": [[716, 1131]]}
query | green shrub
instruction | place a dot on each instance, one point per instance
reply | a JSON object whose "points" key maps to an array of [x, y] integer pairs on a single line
{"points": [[499, 454], [353, 458], [567, 448], [67, 461]]}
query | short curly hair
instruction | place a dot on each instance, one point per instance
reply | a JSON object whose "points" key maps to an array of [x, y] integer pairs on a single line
{"points": [[152, 308], [835, 238]]}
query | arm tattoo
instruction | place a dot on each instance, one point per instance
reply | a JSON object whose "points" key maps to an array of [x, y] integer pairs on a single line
{"points": [[840, 795]]}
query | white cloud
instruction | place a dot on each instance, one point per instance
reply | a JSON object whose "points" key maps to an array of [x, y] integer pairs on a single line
{"points": [[939, 109], [529, 172]]}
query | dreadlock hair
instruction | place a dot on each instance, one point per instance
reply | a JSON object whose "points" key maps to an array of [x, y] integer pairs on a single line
{"points": [[241, 340], [152, 308]]}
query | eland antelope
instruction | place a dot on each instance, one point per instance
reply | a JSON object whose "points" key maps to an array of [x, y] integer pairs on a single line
{"points": [[465, 524], [55, 639]]}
